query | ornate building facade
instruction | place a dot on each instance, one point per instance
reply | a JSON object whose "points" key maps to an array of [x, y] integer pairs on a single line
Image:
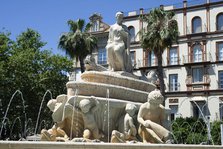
{"points": [[193, 68]]}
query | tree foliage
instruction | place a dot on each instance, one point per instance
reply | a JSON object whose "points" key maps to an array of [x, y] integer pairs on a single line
{"points": [[216, 132], [194, 131], [189, 131], [78, 42], [25, 66], [160, 33]]}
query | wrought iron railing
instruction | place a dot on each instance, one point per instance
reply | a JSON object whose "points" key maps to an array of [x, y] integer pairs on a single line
{"points": [[205, 57]]}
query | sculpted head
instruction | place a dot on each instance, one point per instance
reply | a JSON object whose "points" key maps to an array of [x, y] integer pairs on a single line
{"points": [[155, 97], [53, 105], [85, 105], [131, 109], [119, 17]]}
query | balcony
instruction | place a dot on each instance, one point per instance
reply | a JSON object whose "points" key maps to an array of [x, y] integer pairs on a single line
{"points": [[203, 29], [218, 57], [204, 58], [193, 86], [173, 87], [143, 63], [220, 85]]}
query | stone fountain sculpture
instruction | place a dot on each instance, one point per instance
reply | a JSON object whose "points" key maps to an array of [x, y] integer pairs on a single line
{"points": [[104, 104]]}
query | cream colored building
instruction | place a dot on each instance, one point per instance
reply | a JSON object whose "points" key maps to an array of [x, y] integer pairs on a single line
{"points": [[193, 68]]}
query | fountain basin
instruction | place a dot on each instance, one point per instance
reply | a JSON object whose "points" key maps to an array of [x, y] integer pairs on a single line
{"points": [[118, 79], [100, 90], [71, 145]]}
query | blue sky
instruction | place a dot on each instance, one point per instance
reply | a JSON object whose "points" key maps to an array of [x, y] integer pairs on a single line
{"points": [[49, 17]]}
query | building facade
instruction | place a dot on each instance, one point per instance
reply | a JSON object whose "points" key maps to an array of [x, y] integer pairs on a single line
{"points": [[193, 68]]}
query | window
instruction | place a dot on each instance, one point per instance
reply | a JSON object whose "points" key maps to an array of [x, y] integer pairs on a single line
{"points": [[221, 111], [219, 22], [198, 107], [220, 79], [197, 74], [95, 26], [173, 82], [196, 25], [151, 59], [219, 53], [132, 33], [173, 56], [197, 53], [102, 56], [173, 112], [132, 54]]}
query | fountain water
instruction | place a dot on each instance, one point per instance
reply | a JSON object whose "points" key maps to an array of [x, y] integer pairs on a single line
{"points": [[73, 112], [12, 127], [107, 97], [207, 122], [24, 112], [37, 121]]}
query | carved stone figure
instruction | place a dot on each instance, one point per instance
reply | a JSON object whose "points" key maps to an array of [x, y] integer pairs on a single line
{"points": [[90, 64], [118, 46], [152, 117], [129, 126], [54, 134], [88, 107], [127, 130], [152, 77]]}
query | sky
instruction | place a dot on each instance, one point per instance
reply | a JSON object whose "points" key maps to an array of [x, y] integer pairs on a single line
{"points": [[49, 17]]}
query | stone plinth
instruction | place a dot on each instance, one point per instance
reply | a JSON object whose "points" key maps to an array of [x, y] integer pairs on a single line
{"points": [[71, 145]]}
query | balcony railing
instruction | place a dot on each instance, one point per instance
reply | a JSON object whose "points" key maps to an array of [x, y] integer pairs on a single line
{"points": [[143, 63], [203, 85], [205, 57], [220, 84], [173, 87], [218, 57], [203, 29]]}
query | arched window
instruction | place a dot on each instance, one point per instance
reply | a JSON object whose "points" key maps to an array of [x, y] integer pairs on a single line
{"points": [[132, 33], [219, 51], [219, 22], [95, 26], [196, 25], [197, 53]]}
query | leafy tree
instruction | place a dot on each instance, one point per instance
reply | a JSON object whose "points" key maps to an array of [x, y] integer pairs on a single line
{"points": [[216, 132], [78, 43], [189, 131], [25, 66], [161, 31]]}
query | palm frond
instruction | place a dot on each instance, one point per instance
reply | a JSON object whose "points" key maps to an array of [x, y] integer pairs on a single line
{"points": [[77, 43], [72, 25], [80, 24], [161, 30], [87, 27]]}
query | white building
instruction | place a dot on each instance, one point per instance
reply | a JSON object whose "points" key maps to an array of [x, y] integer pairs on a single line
{"points": [[193, 69]]}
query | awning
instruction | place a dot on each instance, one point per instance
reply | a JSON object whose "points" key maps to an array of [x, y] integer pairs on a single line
{"points": [[198, 98]]}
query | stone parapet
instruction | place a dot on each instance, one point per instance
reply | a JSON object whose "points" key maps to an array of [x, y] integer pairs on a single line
{"points": [[71, 145]]}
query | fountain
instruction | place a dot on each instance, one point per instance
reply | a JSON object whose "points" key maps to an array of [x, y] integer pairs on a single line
{"points": [[24, 112], [103, 106]]}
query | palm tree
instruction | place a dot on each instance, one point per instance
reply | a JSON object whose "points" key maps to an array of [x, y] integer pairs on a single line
{"points": [[78, 43], [161, 31]]}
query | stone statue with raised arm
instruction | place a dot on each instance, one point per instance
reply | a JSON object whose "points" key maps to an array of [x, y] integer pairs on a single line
{"points": [[118, 46], [152, 120]]}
